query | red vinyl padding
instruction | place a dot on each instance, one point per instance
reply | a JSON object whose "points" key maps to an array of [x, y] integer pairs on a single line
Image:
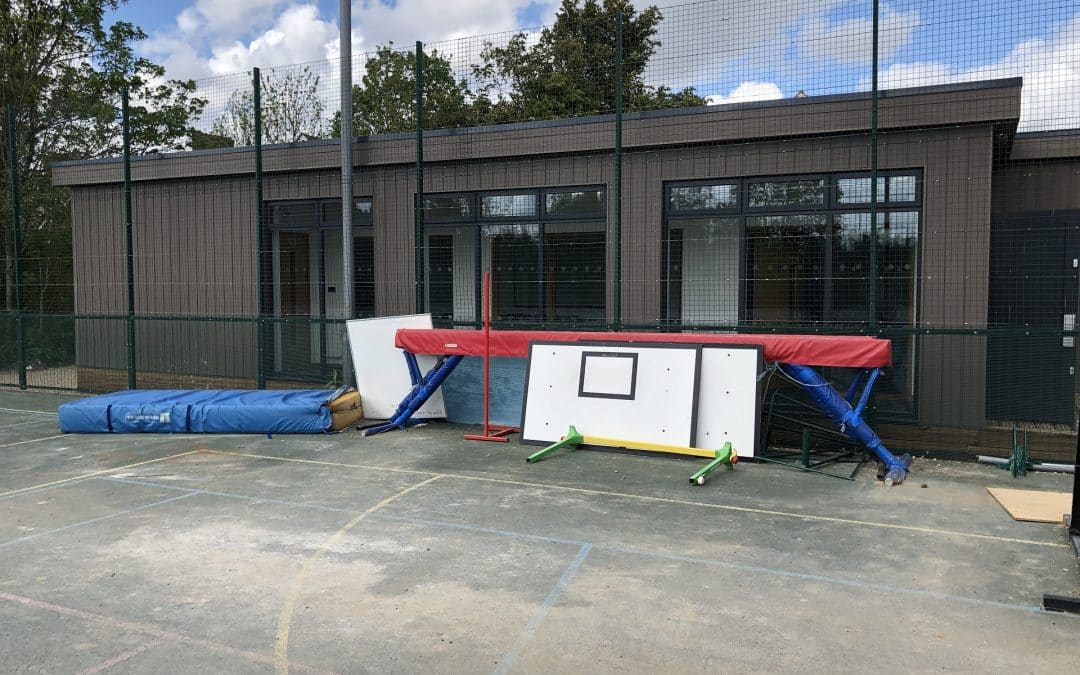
{"points": [[849, 351]]}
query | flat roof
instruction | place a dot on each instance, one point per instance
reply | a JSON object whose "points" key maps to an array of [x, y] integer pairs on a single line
{"points": [[986, 101]]}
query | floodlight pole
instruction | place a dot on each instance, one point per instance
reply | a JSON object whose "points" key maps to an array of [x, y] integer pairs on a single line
{"points": [[345, 29]]}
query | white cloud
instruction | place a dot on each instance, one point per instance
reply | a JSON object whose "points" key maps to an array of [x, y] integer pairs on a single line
{"points": [[1049, 66], [748, 91], [229, 18], [298, 35], [851, 40]]}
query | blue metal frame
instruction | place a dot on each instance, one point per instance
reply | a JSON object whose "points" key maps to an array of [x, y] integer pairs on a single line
{"points": [[423, 388], [848, 417]]}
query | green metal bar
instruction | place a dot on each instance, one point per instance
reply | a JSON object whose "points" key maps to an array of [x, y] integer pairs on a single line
{"points": [[617, 179], [16, 243], [129, 245], [803, 468], [418, 207], [260, 323], [874, 172], [571, 439], [804, 455], [724, 455]]}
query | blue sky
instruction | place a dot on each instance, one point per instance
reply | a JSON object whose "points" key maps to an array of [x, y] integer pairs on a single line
{"points": [[732, 50]]}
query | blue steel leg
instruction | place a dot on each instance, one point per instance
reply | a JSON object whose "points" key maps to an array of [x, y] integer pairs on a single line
{"points": [[856, 382], [414, 368], [849, 419], [420, 393]]}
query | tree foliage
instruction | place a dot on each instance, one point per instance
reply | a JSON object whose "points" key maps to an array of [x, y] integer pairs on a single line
{"points": [[292, 110], [62, 69], [385, 101], [570, 69], [567, 71]]}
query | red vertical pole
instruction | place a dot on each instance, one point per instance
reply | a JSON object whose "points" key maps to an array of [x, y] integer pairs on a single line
{"points": [[491, 432], [487, 344]]}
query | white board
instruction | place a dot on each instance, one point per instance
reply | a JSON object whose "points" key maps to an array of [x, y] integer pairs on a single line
{"points": [[632, 392], [382, 378], [728, 398]]}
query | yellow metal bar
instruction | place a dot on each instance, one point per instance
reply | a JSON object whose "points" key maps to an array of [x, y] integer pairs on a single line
{"points": [[649, 447]]}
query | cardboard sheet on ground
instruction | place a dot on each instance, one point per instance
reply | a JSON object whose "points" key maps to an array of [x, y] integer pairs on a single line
{"points": [[1036, 506], [382, 377]]}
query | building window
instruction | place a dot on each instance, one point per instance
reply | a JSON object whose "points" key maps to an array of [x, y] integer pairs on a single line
{"points": [[448, 209], [786, 194], [793, 253], [508, 206], [546, 251], [304, 256], [705, 197]]}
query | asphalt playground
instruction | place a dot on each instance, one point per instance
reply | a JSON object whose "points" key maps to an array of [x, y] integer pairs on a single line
{"points": [[419, 551]]}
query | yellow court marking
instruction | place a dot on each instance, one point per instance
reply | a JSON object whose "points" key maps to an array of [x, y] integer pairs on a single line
{"points": [[665, 500], [96, 473], [281, 646]]}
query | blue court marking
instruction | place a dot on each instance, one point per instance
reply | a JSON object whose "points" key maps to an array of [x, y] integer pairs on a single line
{"points": [[507, 661], [19, 540]]}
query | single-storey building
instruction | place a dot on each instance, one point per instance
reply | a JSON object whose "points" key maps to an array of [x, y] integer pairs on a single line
{"points": [[748, 217]]}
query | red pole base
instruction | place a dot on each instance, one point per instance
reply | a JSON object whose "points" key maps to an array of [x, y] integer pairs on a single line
{"points": [[493, 433]]}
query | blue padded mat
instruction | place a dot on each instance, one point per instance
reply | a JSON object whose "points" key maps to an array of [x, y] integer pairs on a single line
{"points": [[204, 411]]}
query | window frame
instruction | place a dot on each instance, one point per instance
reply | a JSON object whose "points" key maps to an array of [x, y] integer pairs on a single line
{"points": [[737, 183], [602, 215], [825, 205], [321, 222], [470, 197]]}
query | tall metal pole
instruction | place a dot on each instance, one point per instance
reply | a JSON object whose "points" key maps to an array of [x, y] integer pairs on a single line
{"points": [[617, 233], [260, 319], [129, 244], [347, 274], [16, 243], [874, 173], [418, 207]]}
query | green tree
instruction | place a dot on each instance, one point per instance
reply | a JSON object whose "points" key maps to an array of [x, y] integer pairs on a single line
{"points": [[292, 110], [569, 70], [385, 102], [63, 70]]}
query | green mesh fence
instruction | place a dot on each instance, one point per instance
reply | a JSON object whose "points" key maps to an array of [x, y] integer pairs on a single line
{"points": [[906, 169]]}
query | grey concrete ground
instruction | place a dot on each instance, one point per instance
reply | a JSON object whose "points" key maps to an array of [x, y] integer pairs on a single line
{"points": [[421, 552]]}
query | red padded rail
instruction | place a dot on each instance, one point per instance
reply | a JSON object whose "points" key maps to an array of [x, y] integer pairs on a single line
{"points": [[848, 351]]}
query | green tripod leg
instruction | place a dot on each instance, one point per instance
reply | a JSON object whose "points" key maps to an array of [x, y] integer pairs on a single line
{"points": [[572, 439], [725, 455]]}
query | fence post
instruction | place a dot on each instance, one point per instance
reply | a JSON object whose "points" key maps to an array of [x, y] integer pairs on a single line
{"points": [[418, 207], [617, 179], [16, 243], [874, 172], [260, 319], [348, 273], [128, 239]]}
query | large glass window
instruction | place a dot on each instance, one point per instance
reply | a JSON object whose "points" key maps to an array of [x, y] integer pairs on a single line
{"points": [[575, 255], [546, 251], [785, 268], [304, 258], [703, 271], [793, 253]]}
